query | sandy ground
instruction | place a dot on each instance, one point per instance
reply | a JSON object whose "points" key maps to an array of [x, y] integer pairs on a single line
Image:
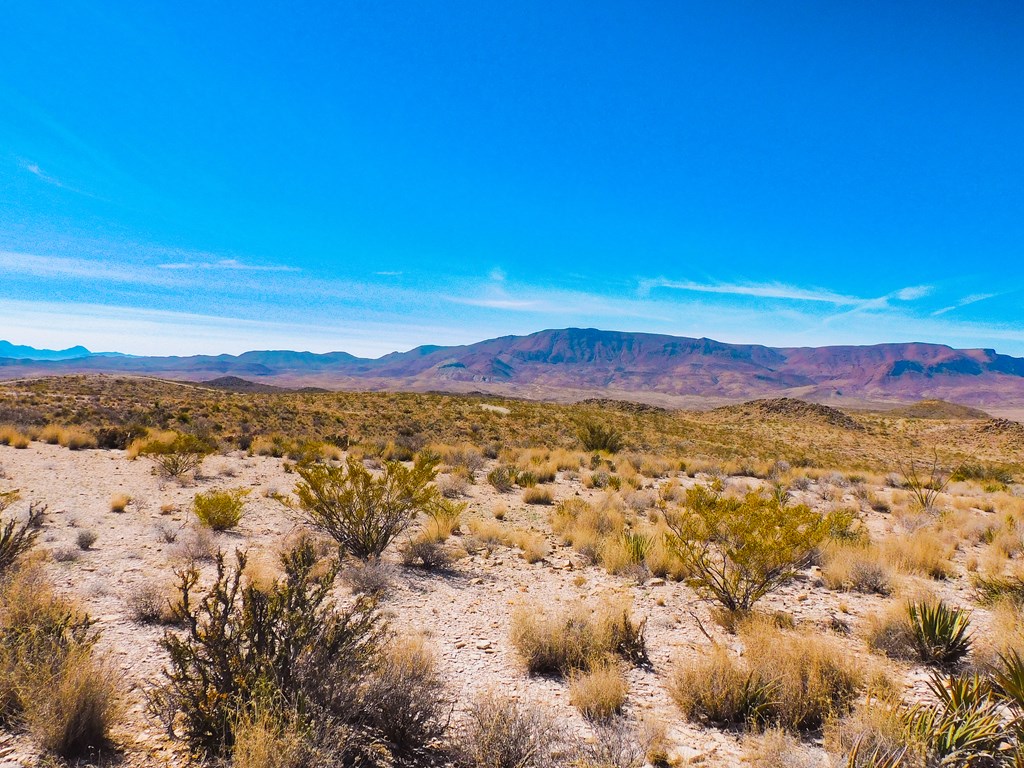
{"points": [[464, 614]]}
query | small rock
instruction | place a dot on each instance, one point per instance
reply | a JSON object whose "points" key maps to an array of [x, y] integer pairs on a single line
{"points": [[656, 583], [483, 645]]}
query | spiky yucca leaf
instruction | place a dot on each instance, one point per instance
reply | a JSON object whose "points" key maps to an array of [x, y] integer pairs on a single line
{"points": [[966, 727], [941, 633]]}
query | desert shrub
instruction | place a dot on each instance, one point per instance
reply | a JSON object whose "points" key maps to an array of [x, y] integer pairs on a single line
{"points": [[268, 738], [445, 518], [197, 545], [856, 568], [616, 744], [361, 702], [85, 539], [119, 502], [220, 510], [890, 633], [873, 733], [718, 688], [599, 437], [404, 700], [452, 486], [371, 578], [151, 603], [599, 692], [364, 513], [941, 633], [52, 680], [813, 676], [561, 641], [50, 434], [502, 478], [537, 495], [532, 545], [17, 539], [983, 473], [174, 455], [739, 550], [777, 748], [424, 551], [795, 680], [501, 733], [925, 481]]}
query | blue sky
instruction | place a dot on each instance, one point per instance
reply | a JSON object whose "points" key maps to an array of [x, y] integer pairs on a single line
{"points": [[367, 176]]}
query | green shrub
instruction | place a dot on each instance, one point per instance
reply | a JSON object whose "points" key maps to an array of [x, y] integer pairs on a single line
{"points": [[739, 550], [362, 512], [176, 456], [600, 437], [284, 651], [220, 509]]}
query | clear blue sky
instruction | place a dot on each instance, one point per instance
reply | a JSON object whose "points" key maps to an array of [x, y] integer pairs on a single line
{"points": [[368, 176]]}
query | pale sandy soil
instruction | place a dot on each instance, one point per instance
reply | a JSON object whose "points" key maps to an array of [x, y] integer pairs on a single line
{"points": [[465, 614]]}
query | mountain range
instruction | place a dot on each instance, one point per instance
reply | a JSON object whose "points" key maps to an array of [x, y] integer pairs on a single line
{"points": [[570, 363]]}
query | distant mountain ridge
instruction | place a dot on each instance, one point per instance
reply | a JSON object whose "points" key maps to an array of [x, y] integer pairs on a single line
{"points": [[574, 361]]}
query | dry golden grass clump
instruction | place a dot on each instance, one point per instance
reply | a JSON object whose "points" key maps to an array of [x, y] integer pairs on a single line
{"points": [[119, 502], [796, 680], [50, 676], [599, 692], [538, 495], [923, 553], [13, 437], [856, 568], [559, 641]]}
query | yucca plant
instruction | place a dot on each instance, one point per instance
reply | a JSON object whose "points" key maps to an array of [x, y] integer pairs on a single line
{"points": [[966, 727], [877, 758], [941, 633]]}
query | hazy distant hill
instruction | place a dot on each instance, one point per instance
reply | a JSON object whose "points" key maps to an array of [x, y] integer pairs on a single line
{"points": [[575, 360]]}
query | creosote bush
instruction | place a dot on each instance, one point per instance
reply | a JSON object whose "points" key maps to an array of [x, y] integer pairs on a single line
{"points": [[174, 455], [736, 551], [600, 437], [283, 650], [220, 510], [364, 512]]}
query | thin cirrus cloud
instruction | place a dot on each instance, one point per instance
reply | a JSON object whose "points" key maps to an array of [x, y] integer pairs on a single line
{"points": [[757, 290], [974, 298], [783, 292], [229, 264]]}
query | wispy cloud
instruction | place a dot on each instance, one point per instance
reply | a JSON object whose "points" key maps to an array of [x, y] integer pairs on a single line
{"points": [[38, 172], [758, 290], [389, 273], [965, 301], [50, 179], [228, 264]]}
